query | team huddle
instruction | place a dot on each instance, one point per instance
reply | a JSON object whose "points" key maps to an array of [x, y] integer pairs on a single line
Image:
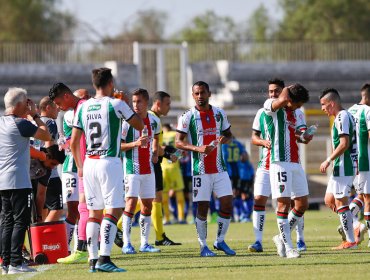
{"points": [[113, 155]]}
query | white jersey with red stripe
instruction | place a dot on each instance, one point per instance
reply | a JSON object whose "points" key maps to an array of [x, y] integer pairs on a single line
{"points": [[260, 124], [202, 127], [139, 159], [281, 129], [101, 121]]}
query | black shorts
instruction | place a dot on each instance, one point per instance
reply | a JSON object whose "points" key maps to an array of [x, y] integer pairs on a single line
{"points": [[246, 186], [234, 182], [187, 184], [54, 194], [44, 180], [158, 177]]}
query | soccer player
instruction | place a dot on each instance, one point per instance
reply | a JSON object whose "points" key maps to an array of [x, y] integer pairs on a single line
{"points": [[361, 113], [100, 119], [340, 182], [72, 183], [200, 130], [287, 177], [140, 152], [262, 187], [161, 106], [173, 183]]}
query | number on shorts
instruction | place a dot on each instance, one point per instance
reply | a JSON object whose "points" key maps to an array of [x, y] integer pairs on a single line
{"points": [[95, 136], [282, 178], [197, 182], [71, 183]]}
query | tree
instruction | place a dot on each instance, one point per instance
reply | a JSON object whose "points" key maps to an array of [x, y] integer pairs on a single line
{"points": [[317, 20], [259, 26], [208, 27], [147, 27], [34, 21]]}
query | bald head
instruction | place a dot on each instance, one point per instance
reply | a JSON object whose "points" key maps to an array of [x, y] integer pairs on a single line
{"points": [[82, 93]]}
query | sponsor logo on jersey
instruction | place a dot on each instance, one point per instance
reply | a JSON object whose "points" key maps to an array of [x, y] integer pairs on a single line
{"points": [[94, 107], [281, 188], [195, 193]]}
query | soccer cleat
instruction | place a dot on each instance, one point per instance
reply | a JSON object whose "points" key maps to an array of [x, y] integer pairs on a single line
{"points": [[256, 247], [292, 254], [301, 246], [92, 264], [147, 248], [222, 246], [108, 266], [205, 252], [166, 241], [118, 239], [75, 257], [22, 268], [128, 249], [4, 269], [346, 245], [341, 232], [359, 232], [279, 246]]}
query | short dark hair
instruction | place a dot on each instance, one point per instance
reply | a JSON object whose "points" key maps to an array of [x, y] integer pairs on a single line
{"points": [[366, 87], [332, 92], [57, 90], [298, 93], [160, 95], [276, 81], [101, 77], [201, 84], [44, 102], [141, 91]]}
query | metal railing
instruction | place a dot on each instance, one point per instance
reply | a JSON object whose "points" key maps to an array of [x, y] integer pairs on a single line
{"points": [[92, 52]]}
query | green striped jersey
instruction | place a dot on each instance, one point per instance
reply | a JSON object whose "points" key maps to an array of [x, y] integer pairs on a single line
{"points": [[281, 126], [101, 121], [139, 159], [202, 127], [361, 114], [69, 164], [343, 125]]}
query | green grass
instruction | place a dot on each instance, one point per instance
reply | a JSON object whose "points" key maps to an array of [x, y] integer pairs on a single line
{"points": [[183, 262]]}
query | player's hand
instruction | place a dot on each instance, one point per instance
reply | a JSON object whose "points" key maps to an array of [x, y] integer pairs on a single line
{"points": [[307, 138], [266, 144], [324, 166], [173, 158], [32, 109], [142, 141], [50, 163], [155, 158]]}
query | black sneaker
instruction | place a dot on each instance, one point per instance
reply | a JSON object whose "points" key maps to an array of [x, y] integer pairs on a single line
{"points": [[92, 264], [166, 241], [118, 239]]}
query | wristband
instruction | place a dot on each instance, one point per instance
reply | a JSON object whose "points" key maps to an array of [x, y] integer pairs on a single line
{"points": [[328, 160], [35, 116]]}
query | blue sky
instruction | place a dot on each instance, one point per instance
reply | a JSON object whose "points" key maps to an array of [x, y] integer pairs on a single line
{"points": [[108, 16]]}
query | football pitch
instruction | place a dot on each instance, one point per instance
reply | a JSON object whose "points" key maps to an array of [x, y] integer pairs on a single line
{"points": [[183, 262]]}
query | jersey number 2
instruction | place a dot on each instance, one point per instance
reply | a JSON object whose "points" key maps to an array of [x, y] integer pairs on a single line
{"points": [[95, 136]]}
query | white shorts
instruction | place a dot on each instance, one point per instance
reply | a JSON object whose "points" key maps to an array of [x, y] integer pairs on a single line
{"points": [[262, 184], [142, 186], [70, 186], [288, 179], [204, 185], [340, 186], [363, 182], [103, 183]]}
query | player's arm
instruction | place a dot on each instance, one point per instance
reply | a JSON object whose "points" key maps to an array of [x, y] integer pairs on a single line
{"points": [[126, 146], [226, 136], [75, 149], [258, 141], [281, 101], [155, 147], [136, 122], [344, 143], [182, 143]]}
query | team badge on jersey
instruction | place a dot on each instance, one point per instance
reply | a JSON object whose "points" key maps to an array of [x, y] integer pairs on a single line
{"points": [[208, 120], [195, 193]]}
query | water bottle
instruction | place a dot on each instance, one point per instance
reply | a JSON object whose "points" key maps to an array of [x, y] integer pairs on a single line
{"points": [[311, 130], [62, 142], [144, 133]]}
